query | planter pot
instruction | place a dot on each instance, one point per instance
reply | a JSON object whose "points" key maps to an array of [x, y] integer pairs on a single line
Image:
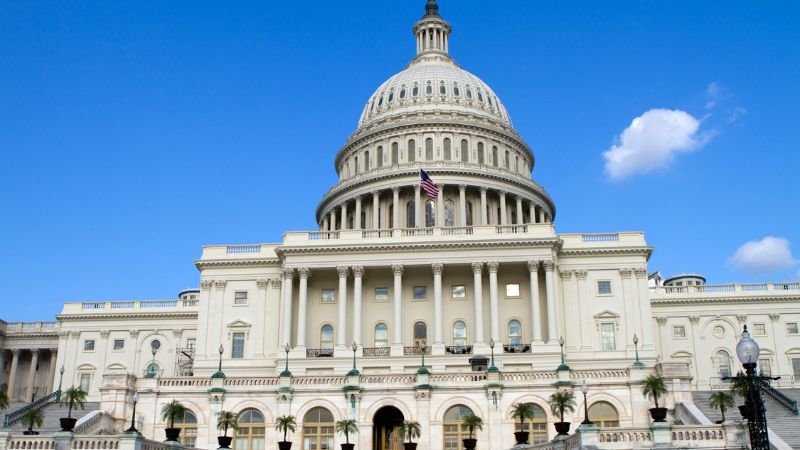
{"points": [[348, 446], [172, 434], [67, 423], [470, 443], [224, 441], [744, 410], [521, 437], [658, 414], [410, 445], [284, 445], [30, 433], [562, 427]]}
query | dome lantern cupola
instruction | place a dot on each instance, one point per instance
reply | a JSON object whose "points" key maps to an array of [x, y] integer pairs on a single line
{"points": [[432, 32]]}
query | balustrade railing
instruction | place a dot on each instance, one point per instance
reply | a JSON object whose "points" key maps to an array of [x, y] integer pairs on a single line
{"points": [[516, 348], [511, 229], [42, 402], [319, 353], [458, 377], [372, 234], [458, 349], [418, 232], [416, 350], [376, 351], [322, 235], [600, 237], [689, 435], [642, 436], [242, 249], [457, 231]]}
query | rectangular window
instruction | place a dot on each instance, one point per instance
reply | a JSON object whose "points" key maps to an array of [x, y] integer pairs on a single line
{"points": [[604, 287], [88, 345], [791, 327], [765, 367], [459, 291], [119, 344], [240, 298], [86, 380], [328, 296], [420, 292], [512, 290], [759, 329], [607, 337], [237, 350], [190, 343], [381, 294], [679, 331]]}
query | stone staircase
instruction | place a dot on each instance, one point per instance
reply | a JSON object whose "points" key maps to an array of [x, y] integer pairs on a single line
{"points": [[51, 415], [779, 419]]}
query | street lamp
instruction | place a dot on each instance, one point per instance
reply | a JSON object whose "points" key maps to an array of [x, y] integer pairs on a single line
{"points": [[563, 365], [637, 364], [60, 379], [133, 429], [585, 390], [422, 369], [354, 371], [286, 372], [220, 373], [492, 368]]}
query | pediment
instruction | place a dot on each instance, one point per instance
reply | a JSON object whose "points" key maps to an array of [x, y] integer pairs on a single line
{"points": [[239, 324], [606, 315]]}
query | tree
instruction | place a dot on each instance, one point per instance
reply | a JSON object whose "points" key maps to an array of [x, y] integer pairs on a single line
{"points": [[523, 412], [32, 417], [346, 427], [739, 385], [562, 401], [285, 424], [472, 422], [74, 397], [410, 430], [225, 420], [171, 411], [3, 400], [722, 400], [654, 387]]}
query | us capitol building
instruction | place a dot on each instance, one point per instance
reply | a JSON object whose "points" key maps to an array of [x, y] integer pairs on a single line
{"points": [[470, 275]]}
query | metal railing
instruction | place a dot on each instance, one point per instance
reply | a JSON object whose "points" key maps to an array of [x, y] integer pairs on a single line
{"points": [[516, 348], [458, 349], [319, 353], [377, 351], [40, 403], [780, 397], [416, 350]]}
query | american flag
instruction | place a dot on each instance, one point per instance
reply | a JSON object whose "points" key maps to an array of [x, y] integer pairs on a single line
{"points": [[427, 184]]}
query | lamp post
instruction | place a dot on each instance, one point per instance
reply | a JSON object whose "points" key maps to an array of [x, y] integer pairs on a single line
{"points": [[585, 390], [286, 372], [492, 368], [60, 379], [133, 429], [220, 373], [637, 364], [354, 372], [422, 369], [563, 365]]}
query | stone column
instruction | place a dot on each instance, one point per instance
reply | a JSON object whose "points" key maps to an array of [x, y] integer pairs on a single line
{"points": [[484, 219], [569, 294], [494, 320], [417, 207], [52, 372], [503, 219], [396, 209], [31, 375], [332, 220], [286, 335], [12, 375], [520, 215], [397, 318], [341, 326], [324, 226], [462, 204], [585, 313], [357, 219], [302, 306], [629, 316], [536, 309], [343, 225], [552, 329], [376, 196], [541, 215], [662, 335], [643, 311], [477, 268], [440, 207], [437, 303], [531, 213], [358, 274]]}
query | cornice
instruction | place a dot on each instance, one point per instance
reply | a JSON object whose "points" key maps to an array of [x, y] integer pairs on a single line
{"points": [[130, 315], [37, 334], [747, 300], [646, 251], [203, 263], [405, 246]]}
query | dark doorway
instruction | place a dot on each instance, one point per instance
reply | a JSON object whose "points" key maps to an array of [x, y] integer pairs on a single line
{"points": [[385, 434]]}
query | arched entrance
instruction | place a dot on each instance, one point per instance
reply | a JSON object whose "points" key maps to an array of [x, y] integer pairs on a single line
{"points": [[385, 434]]}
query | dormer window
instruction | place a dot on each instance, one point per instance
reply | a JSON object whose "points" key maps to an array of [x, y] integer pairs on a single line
{"points": [[442, 89], [429, 89], [456, 91], [402, 93], [469, 92], [415, 91]]}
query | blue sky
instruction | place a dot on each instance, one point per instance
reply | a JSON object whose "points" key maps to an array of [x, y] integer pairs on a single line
{"points": [[133, 133]]}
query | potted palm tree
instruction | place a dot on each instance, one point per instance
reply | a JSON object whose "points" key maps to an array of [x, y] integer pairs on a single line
{"points": [[410, 430], [285, 424], [523, 412], [721, 400], [3, 400], [169, 412], [654, 386], [33, 417], [347, 427], [74, 397], [740, 387], [472, 422], [561, 402], [226, 420]]}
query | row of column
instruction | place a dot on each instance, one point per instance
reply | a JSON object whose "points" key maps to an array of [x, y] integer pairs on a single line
{"points": [[437, 269], [30, 377], [432, 38], [338, 220]]}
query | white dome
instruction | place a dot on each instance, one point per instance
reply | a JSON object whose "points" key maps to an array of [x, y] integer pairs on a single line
{"points": [[433, 82]]}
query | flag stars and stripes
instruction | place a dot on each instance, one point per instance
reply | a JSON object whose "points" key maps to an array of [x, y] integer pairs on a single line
{"points": [[427, 184]]}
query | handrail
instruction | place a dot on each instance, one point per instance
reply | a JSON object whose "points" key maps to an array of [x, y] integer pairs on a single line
{"points": [[780, 397], [42, 402]]}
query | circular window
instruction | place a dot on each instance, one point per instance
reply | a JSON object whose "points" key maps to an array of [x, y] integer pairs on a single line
{"points": [[719, 331], [155, 344]]}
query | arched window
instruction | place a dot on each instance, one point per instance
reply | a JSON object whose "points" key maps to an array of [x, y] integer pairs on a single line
{"points": [[449, 214], [251, 431], [430, 213], [381, 338], [403, 93], [366, 161], [411, 212], [391, 97], [379, 159], [464, 150], [514, 332], [459, 334], [469, 93], [603, 414], [442, 89], [412, 150], [507, 162], [722, 361], [420, 334], [380, 101], [153, 370], [415, 91], [469, 214], [494, 156], [429, 89], [480, 96], [537, 427], [429, 149], [395, 153], [448, 154], [188, 426], [456, 91], [356, 164], [326, 336], [318, 429], [481, 156], [454, 431]]}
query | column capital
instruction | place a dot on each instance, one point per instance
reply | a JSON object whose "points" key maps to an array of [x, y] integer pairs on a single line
{"points": [[220, 284], [14, 352], [484, 189], [104, 334], [358, 198], [35, 351], [565, 274], [502, 194], [395, 190], [134, 333], [462, 187], [477, 268], [342, 271], [262, 283], [288, 273], [397, 269], [358, 271], [492, 266], [640, 272], [662, 320], [417, 187], [437, 268], [580, 274], [533, 266], [304, 272], [694, 319], [774, 316], [548, 265], [742, 318], [625, 273], [276, 283], [375, 195], [206, 285]]}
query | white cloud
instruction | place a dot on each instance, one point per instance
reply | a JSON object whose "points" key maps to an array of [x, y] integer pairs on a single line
{"points": [[770, 254], [713, 92], [651, 142], [736, 114]]}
